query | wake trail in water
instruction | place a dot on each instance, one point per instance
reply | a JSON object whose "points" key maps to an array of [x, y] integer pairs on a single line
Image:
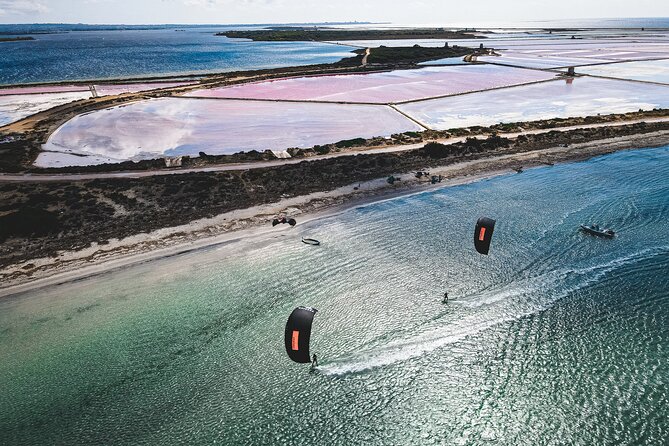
{"points": [[546, 282], [492, 309]]}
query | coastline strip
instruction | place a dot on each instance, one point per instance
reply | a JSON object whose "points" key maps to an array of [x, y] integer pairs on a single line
{"points": [[250, 223]]}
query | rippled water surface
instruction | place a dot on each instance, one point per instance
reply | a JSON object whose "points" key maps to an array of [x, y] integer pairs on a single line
{"points": [[101, 54], [555, 338]]}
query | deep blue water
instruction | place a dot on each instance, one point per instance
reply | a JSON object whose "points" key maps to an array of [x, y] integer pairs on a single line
{"points": [[81, 55]]}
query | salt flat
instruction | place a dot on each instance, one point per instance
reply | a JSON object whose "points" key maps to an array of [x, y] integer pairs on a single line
{"points": [[186, 126], [102, 89], [652, 71], [557, 99], [20, 102], [385, 87], [16, 107]]}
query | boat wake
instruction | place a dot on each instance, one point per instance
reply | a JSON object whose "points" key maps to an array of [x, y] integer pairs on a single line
{"points": [[486, 311]]}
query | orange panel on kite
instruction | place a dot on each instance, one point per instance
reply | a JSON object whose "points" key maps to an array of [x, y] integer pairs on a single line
{"points": [[296, 340]]}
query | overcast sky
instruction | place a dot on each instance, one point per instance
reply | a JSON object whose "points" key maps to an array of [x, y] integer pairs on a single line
{"points": [[283, 11]]}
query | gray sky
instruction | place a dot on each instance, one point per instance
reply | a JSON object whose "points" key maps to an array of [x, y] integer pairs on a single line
{"points": [[278, 11]]}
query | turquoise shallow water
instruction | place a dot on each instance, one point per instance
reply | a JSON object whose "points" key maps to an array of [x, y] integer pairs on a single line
{"points": [[555, 338]]}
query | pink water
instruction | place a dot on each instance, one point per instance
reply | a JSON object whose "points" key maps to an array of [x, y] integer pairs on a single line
{"points": [[179, 126], [578, 97], [380, 88]]}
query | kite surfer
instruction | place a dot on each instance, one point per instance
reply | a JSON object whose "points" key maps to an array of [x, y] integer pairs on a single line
{"points": [[445, 301], [314, 363]]}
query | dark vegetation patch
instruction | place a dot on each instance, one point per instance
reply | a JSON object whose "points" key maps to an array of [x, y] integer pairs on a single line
{"points": [[413, 54], [30, 219], [286, 34], [435, 150], [15, 39], [17, 152]]}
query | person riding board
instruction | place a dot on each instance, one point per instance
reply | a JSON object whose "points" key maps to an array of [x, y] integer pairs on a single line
{"points": [[445, 301], [314, 362]]}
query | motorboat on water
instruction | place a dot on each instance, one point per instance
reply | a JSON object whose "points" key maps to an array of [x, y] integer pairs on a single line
{"points": [[596, 230]]}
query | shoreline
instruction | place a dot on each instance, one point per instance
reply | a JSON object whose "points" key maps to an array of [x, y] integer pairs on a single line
{"points": [[251, 223]]}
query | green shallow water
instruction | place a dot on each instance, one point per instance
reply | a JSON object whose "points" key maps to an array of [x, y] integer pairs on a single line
{"points": [[555, 338]]}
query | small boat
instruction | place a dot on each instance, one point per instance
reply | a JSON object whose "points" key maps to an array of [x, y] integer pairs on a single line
{"points": [[596, 230], [310, 241]]}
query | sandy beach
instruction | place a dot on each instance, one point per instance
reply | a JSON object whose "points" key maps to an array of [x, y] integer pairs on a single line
{"points": [[253, 224]]}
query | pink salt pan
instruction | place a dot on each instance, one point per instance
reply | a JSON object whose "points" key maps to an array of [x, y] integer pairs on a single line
{"points": [[381, 88]]}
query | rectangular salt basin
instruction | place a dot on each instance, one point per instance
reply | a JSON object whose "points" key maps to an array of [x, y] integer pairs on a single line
{"points": [[573, 57], [446, 61], [102, 89], [43, 89], [16, 107], [557, 99], [181, 126], [587, 46], [16, 103], [653, 71], [597, 53], [469, 43], [539, 61], [502, 43], [389, 87], [637, 55]]}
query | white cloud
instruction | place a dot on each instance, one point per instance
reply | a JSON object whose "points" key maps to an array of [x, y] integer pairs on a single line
{"points": [[438, 12], [22, 7]]}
